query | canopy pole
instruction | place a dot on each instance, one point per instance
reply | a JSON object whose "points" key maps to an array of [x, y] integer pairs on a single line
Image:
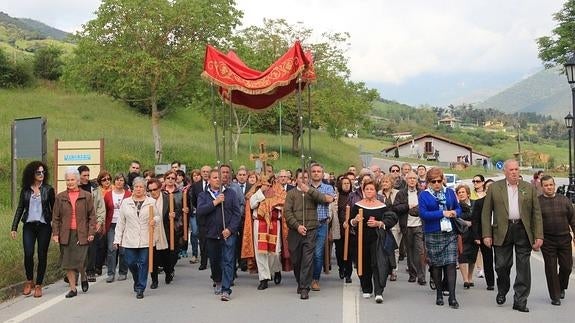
{"points": [[309, 121], [300, 116], [250, 131], [215, 123], [223, 115], [231, 145], [281, 142]]}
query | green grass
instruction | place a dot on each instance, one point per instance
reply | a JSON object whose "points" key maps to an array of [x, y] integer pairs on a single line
{"points": [[186, 135]]}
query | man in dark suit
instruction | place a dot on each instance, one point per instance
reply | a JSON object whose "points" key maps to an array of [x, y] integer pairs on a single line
{"points": [[283, 180], [242, 181], [193, 199], [511, 218]]}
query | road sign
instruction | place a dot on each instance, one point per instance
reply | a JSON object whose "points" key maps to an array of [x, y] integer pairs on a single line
{"points": [[499, 165]]}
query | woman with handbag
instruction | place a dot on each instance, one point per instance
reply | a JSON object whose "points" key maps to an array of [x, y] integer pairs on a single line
{"points": [[437, 207]]}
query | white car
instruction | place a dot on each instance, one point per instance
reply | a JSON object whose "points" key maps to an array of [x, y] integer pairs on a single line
{"points": [[452, 180]]}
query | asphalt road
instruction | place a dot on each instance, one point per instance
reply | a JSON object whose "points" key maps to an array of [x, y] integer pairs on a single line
{"points": [[190, 299]]}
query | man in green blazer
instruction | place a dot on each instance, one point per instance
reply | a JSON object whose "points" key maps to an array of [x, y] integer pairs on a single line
{"points": [[511, 217]]}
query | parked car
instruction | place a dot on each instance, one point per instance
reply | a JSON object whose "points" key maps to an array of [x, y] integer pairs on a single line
{"points": [[452, 180]]}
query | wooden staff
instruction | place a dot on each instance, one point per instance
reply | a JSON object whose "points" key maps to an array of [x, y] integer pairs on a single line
{"points": [[151, 241], [185, 198], [346, 237], [171, 222], [326, 253], [360, 244]]}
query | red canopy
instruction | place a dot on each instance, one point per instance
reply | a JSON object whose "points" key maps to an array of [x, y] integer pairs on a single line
{"points": [[254, 89]]}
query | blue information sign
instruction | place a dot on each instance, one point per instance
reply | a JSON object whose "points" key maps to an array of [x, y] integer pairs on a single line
{"points": [[499, 164]]}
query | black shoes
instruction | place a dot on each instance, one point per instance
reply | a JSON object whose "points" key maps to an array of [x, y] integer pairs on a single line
{"points": [[72, 293], [490, 287], [92, 278], [203, 267], [500, 299], [439, 301], [523, 309], [139, 295], [432, 284], [348, 280], [169, 277], [562, 294], [555, 302], [154, 284], [85, 286], [277, 278], [304, 293], [466, 285], [422, 282], [263, 284], [453, 304], [341, 274]]}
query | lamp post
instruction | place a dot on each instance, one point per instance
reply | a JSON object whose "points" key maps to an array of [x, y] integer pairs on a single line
{"points": [[570, 73], [569, 125]]}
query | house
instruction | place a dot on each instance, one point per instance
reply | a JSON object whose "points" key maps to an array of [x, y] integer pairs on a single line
{"points": [[402, 135], [449, 122], [434, 147]]}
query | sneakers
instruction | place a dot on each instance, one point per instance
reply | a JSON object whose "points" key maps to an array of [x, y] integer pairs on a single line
{"points": [[28, 287], [194, 260], [304, 294], [366, 295], [110, 279], [72, 293], [38, 291], [315, 285], [122, 277], [480, 274], [218, 289], [379, 299], [225, 297]]}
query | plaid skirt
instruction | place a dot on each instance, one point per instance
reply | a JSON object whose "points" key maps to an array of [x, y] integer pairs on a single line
{"points": [[441, 248]]}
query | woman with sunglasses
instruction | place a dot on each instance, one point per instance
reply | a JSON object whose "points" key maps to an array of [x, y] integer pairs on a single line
{"points": [[170, 187], [35, 211], [437, 206], [478, 190]]}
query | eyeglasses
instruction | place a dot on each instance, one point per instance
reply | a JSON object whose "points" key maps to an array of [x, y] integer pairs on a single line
{"points": [[435, 181], [172, 178], [476, 181], [107, 179], [40, 172], [395, 170]]}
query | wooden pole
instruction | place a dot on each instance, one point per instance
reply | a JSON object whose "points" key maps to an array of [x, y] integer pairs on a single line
{"points": [[171, 222], [326, 253], [346, 237], [151, 240], [360, 244], [185, 198]]}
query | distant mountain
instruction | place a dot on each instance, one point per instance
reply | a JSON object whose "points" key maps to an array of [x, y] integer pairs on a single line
{"points": [[12, 29], [546, 92]]}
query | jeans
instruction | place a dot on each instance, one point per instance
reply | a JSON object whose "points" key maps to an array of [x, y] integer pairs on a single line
{"points": [[32, 232], [137, 261], [321, 235], [94, 252], [194, 235], [222, 260], [113, 254]]}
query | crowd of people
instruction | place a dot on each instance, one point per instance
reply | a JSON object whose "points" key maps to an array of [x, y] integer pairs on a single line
{"points": [[272, 222]]}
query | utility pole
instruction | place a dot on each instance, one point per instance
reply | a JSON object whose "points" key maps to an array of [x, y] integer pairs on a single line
{"points": [[519, 146]]}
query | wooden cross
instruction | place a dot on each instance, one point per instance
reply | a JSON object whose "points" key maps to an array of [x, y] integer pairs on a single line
{"points": [[264, 156]]}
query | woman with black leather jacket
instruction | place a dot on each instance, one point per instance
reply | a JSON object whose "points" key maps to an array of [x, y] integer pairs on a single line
{"points": [[35, 211]]}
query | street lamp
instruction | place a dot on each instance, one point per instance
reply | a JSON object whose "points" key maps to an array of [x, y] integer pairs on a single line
{"points": [[570, 72], [569, 125]]}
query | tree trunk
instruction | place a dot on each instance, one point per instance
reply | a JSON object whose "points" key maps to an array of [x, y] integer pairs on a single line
{"points": [[295, 143], [156, 130]]}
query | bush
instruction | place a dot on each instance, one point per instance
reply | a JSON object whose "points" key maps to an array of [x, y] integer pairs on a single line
{"points": [[14, 74], [48, 63]]}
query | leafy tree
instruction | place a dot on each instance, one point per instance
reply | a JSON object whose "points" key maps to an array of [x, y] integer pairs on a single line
{"points": [[14, 73], [556, 49], [150, 53], [48, 63]]}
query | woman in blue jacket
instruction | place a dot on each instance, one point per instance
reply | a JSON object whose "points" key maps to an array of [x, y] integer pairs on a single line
{"points": [[437, 207]]}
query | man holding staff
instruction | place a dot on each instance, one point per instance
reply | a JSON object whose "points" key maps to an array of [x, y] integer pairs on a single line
{"points": [[221, 212], [301, 216]]}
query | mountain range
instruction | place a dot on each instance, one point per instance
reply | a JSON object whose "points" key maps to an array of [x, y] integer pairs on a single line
{"points": [[14, 29]]}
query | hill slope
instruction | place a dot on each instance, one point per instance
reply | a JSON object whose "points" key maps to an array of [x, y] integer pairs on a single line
{"points": [[546, 92], [25, 28]]}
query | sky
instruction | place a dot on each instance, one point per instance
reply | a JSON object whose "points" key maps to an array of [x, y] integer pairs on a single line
{"points": [[435, 52]]}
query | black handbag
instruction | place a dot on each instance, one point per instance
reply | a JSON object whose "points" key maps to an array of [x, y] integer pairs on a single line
{"points": [[459, 225]]}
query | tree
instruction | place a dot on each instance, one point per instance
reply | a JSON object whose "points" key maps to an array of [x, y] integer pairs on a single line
{"points": [[556, 49], [47, 63], [150, 52]]}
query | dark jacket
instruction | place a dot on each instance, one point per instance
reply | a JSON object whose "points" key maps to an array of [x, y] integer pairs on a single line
{"points": [[85, 217], [294, 208], [46, 194], [193, 192], [212, 215], [401, 207], [178, 219]]}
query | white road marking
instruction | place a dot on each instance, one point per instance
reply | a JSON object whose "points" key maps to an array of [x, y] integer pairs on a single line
{"points": [[350, 308]]}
